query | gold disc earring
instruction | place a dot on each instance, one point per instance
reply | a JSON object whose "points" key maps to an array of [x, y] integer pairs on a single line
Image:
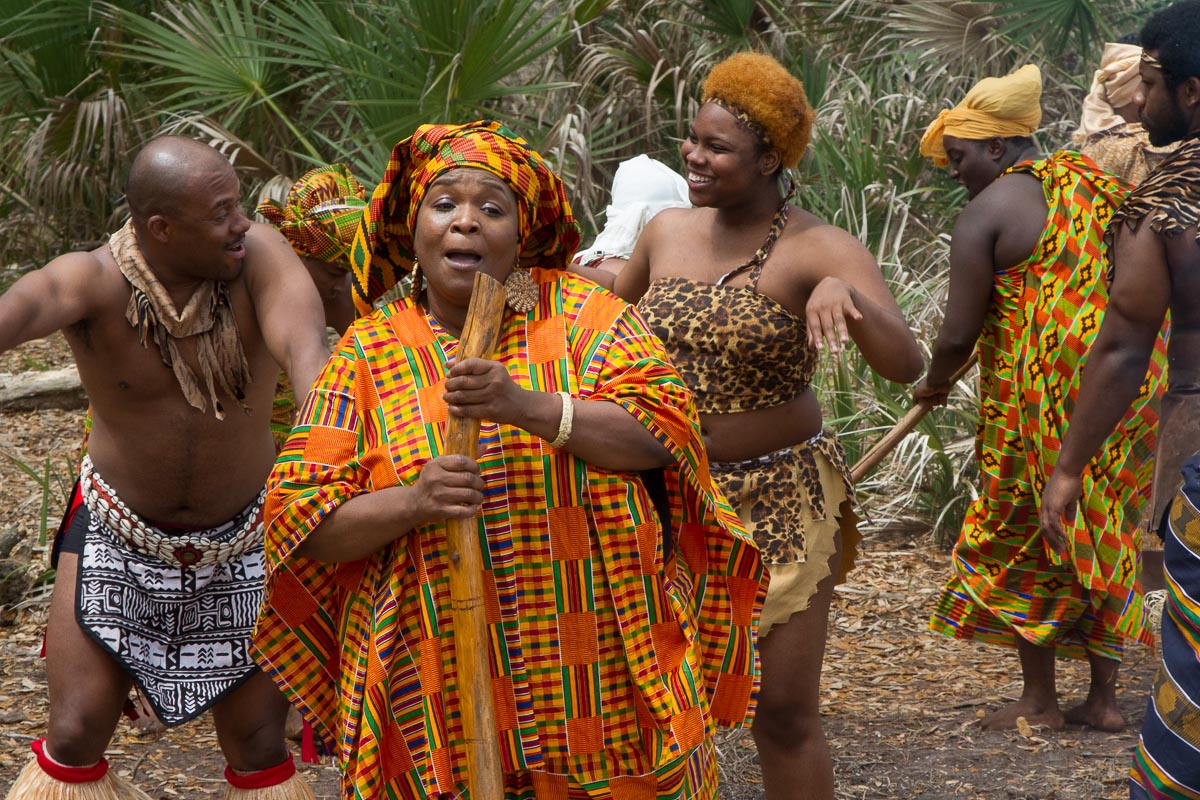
{"points": [[520, 290]]}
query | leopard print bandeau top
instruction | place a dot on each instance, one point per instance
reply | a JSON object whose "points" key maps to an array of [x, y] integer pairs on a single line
{"points": [[737, 349]]}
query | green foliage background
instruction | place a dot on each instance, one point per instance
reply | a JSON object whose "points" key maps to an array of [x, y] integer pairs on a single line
{"points": [[282, 86]]}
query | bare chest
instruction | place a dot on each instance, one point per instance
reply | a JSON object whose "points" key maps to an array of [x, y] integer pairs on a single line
{"points": [[123, 373]]}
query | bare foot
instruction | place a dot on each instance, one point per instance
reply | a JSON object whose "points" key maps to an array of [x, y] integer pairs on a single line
{"points": [[1098, 715], [1005, 718]]}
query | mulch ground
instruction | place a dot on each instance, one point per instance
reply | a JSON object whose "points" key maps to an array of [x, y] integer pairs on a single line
{"points": [[900, 705]]}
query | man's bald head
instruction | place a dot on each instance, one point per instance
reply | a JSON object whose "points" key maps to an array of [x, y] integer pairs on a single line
{"points": [[162, 174]]}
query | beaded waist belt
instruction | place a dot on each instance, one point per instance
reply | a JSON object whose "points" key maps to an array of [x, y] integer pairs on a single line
{"points": [[186, 549]]}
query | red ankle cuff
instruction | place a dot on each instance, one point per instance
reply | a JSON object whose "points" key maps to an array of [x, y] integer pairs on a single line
{"points": [[61, 772], [271, 776]]}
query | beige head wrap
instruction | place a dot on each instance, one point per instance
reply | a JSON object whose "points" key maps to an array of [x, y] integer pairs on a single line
{"points": [[1113, 86], [1008, 106]]}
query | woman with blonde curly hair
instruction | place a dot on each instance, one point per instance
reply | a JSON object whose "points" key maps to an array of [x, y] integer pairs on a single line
{"points": [[746, 290]]}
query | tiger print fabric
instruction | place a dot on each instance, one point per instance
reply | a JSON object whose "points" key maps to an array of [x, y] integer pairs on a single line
{"points": [[1168, 200]]}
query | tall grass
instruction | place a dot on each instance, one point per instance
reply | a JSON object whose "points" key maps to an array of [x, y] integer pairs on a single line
{"points": [[54, 479], [280, 86]]}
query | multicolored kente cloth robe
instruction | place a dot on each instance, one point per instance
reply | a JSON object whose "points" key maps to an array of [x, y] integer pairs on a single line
{"points": [[1166, 764], [613, 655], [1043, 318]]}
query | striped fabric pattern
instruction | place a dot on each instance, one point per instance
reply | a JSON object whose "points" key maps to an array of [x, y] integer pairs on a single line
{"points": [[1044, 316], [612, 660], [320, 214], [692, 777], [1166, 764], [383, 246]]}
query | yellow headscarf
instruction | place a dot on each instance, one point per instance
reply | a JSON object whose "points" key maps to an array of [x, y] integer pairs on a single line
{"points": [[1008, 106], [1113, 86]]}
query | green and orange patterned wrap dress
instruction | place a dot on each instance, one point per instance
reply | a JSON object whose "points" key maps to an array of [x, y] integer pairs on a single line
{"points": [[614, 656], [1044, 316]]}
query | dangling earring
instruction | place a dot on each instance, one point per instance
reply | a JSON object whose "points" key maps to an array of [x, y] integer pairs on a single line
{"points": [[520, 290], [415, 289]]}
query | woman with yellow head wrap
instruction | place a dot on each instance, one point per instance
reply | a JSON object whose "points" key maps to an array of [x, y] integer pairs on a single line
{"points": [[1003, 107], [619, 638], [989, 131], [1027, 294]]}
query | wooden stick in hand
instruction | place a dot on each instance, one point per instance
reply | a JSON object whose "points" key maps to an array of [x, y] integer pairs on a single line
{"points": [[902, 428], [485, 774]]}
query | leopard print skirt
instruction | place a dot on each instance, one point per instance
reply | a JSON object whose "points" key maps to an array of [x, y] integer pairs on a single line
{"points": [[797, 503]]}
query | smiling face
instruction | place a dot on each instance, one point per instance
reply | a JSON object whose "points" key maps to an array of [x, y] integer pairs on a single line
{"points": [[1161, 113], [467, 223], [208, 232], [973, 163], [723, 161]]}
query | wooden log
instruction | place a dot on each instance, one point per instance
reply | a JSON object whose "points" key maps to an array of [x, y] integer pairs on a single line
{"points": [[57, 388], [902, 428], [485, 774]]}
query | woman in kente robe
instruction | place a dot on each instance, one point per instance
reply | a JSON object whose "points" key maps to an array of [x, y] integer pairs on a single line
{"points": [[619, 638]]}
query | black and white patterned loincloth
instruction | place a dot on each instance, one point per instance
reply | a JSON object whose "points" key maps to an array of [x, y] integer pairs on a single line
{"points": [[182, 633]]}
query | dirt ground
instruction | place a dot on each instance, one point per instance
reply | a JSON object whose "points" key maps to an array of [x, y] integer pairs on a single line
{"points": [[899, 703]]}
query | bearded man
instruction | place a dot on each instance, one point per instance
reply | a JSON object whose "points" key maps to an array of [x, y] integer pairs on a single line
{"points": [[1155, 260]]}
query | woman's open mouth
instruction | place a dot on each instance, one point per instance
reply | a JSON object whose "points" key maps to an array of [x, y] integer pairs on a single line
{"points": [[461, 259]]}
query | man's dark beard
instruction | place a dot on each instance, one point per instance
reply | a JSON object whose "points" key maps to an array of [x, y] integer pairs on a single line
{"points": [[1172, 130]]}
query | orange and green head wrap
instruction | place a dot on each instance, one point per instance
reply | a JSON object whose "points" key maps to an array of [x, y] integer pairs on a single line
{"points": [[320, 213], [383, 245]]}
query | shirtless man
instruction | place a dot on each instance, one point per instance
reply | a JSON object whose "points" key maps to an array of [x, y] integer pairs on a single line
{"points": [[1027, 285], [168, 536], [1155, 257]]}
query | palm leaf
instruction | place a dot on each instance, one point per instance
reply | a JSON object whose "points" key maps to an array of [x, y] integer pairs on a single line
{"points": [[400, 65], [215, 57], [961, 36], [728, 19], [1058, 25]]}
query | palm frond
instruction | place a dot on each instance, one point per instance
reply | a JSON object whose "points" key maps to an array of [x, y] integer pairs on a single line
{"points": [[214, 56], [1059, 24], [963, 36]]}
